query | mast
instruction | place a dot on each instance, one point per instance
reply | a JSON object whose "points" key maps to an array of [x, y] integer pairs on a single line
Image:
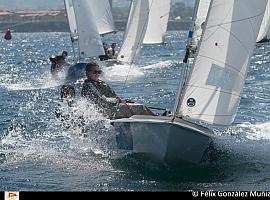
{"points": [[185, 60], [199, 24]]}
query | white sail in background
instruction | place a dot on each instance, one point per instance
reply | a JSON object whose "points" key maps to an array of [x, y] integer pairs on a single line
{"points": [[213, 91], [157, 22], [101, 10], [71, 19], [135, 31], [90, 44], [265, 26], [200, 21]]}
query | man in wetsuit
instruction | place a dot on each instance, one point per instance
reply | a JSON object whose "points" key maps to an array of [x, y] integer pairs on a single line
{"points": [[98, 91]]}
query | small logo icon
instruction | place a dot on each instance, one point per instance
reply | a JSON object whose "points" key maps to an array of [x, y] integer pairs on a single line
{"points": [[191, 102], [11, 195]]}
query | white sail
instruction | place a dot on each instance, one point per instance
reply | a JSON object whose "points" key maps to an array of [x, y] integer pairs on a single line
{"points": [[71, 19], [265, 26], [90, 44], [200, 21], [157, 22], [101, 10], [135, 31], [213, 90]]}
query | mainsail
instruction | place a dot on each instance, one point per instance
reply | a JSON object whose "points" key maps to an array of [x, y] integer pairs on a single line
{"points": [[101, 10], [90, 44], [158, 20], [213, 90], [135, 31]]}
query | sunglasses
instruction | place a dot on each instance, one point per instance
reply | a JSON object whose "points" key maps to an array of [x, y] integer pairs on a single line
{"points": [[97, 72]]}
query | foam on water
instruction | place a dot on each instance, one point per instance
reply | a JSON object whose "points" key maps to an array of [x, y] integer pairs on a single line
{"points": [[122, 72]]}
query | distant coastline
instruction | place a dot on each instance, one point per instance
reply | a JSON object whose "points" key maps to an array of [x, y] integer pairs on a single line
{"points": [[62, 26], [56, 21]]}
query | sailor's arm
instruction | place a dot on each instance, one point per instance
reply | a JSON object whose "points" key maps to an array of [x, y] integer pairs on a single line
{"points": [[113, 99]]}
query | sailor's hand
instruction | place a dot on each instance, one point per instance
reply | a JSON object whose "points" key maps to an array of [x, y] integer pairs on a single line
{"points": [[123, 101]]}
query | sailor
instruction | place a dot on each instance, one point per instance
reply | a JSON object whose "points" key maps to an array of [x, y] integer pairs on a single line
{"points": [[67, 110], [111, 51], [104, 57], [98, 92], [58, 63], [67, 94], [101, 94]]}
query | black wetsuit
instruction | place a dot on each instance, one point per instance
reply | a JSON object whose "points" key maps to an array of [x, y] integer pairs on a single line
{"points": [[100, 94]]}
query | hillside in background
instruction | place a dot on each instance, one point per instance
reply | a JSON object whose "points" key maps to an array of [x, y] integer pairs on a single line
{"points": [[59, 4], [50, 15]]}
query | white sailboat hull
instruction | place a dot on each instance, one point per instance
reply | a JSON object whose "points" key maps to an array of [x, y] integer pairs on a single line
{"points": [[162, 139]]}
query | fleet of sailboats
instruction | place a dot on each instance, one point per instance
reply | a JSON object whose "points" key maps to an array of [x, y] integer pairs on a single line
{"points": [[211, 90], [147, 24]]}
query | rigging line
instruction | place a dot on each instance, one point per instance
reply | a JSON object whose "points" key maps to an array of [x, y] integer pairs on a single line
{"points": [[239, 20]]}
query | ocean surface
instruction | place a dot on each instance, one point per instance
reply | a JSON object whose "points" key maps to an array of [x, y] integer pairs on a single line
{"points": [[39, 153]]}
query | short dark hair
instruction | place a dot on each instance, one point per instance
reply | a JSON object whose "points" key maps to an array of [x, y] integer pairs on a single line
{"points": [[64, 53], [67, 90], [90, 66]]}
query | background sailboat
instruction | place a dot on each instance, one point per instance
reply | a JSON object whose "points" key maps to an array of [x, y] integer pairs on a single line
{"points": [[212, 92], [147, 24], [135, 31], [157, 22], [265, 26], [89, 40]]}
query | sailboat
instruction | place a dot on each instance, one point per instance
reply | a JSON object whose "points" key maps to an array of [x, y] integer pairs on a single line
{"points": [[209, 92], [88, 20], [134, 33], [265, 26], [147, 24], [157, 22]]}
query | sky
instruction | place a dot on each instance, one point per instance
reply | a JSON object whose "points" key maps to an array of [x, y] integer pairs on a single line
{"points": [[54, 4]]}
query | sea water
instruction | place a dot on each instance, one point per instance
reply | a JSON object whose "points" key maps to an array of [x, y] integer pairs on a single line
{"points": [[38, 152]]}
